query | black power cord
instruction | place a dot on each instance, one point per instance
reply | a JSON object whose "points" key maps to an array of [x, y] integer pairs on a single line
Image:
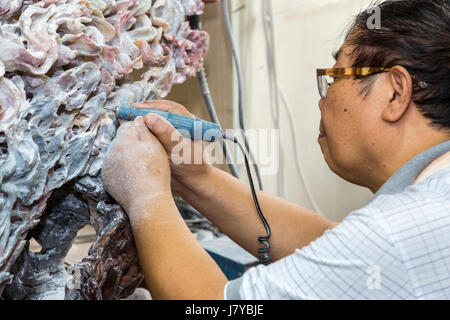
{"points": [[264, 255]]}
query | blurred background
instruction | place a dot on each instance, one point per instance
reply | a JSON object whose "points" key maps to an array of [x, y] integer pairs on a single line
{"points": [[300, 36]]}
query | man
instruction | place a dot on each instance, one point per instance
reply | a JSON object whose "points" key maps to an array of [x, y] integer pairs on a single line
{"points": [[386, 128]]}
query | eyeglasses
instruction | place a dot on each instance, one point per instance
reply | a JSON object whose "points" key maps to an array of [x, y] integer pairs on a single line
{"points": [[326, 77]]}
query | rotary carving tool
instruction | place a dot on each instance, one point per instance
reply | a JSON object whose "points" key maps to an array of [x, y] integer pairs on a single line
{"points": [[193, 128], [198, 129]]}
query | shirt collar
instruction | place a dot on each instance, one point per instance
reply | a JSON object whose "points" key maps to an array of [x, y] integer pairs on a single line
{"points": [[406, 175]]}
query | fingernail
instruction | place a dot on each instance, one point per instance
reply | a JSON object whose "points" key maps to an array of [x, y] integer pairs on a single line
{"points": [[139, 120], [141, 103]]}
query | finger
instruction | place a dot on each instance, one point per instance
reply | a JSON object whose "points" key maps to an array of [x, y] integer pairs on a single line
{"points": [[164, 105], [163, 130], [125, 135], [127, 129], [142, 130]]}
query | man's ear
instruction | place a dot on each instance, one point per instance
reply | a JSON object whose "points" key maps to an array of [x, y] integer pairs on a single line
{"points": [[400, 84]]}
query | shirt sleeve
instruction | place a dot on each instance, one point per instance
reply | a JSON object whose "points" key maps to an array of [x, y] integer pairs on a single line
{"points": [[354, 260]]}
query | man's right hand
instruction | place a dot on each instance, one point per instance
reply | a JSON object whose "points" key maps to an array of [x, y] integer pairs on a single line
{"points": [[181, 151]]}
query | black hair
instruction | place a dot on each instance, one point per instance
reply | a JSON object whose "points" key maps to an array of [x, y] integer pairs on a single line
{"points": [[414, 34]]}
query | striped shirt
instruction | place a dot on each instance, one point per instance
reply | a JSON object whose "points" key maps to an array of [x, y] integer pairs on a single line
{"points": [[396, 247]]}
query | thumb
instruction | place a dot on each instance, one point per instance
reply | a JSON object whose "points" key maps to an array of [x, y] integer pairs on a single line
{"points": [[163, 130]]}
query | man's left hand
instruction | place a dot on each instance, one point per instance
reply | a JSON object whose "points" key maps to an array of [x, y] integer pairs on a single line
{"points": [[136, 167]]}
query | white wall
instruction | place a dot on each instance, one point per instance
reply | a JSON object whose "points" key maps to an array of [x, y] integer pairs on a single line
{"points": [[306, 32]]}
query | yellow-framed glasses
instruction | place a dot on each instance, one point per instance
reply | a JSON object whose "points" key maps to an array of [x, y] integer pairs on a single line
{"points": [[326, 77]]}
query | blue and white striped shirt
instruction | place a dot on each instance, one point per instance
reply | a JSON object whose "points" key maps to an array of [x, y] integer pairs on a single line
{"points": [[396, 247]]}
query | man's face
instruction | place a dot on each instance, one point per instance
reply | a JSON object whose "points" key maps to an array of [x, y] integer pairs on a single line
{"points": [[349, 127]]}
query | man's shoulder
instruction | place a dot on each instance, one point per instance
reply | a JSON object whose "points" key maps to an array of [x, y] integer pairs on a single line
{"points": [[417, 223], [438, 182], [436, 186], [415, 206]]}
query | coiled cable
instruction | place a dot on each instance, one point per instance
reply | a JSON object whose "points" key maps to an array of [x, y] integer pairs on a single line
{"points": [[264, 255]]}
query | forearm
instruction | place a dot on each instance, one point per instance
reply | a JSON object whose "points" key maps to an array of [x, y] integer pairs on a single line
{"points": [[228, 203], [168, 252]]}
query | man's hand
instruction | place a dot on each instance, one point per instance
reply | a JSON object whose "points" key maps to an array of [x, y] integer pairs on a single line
{"points": [[136, 172], [136, 167], [181, 151]]}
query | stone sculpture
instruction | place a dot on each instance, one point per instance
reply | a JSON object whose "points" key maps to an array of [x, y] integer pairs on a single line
{"points": [[65, 65]]}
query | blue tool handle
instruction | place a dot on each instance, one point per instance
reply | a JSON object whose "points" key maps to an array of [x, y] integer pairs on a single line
{"points": [[193, 128]]}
